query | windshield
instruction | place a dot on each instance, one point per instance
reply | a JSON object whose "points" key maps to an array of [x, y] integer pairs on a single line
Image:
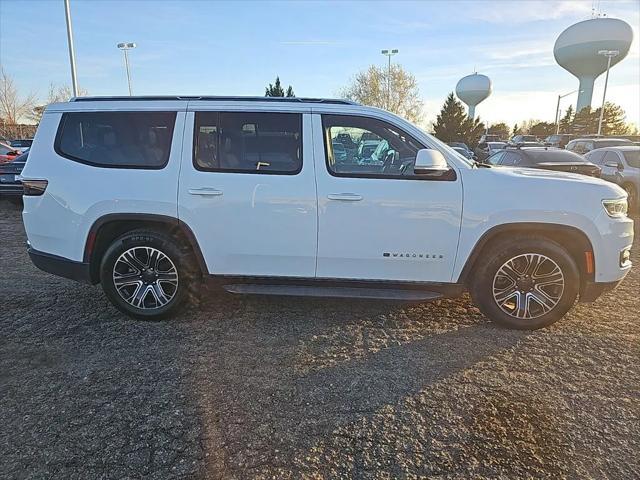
{"points": [[632, 157]]}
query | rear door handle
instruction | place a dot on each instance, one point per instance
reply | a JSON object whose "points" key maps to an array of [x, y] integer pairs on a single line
{"points": [[205, 191], [345, 197]]}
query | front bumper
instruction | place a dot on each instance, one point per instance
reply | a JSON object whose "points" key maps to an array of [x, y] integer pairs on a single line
{"points": [[592, 290], [63, 267]]}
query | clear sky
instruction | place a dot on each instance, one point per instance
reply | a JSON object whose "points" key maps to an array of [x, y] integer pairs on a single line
{"points": [[237, 48]]}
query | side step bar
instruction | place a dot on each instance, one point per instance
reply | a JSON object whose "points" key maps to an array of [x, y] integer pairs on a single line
{"points": [[333, 292]]}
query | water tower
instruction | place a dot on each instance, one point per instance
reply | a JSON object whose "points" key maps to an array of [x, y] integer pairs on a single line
{"points": [[577, 50], [472, 90]]}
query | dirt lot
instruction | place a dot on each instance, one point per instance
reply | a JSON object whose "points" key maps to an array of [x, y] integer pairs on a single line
{"points": [[249, 387]]}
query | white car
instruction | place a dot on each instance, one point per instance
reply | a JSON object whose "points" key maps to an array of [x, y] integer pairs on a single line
{"points": [[152, 196]]}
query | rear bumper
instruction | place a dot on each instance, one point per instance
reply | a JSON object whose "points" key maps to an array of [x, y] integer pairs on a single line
{"points": [[63, 267], [592, 290]]}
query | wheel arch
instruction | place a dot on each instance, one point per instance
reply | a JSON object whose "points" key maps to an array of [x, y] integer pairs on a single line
{"points": [[574, 240], [109, 227]]}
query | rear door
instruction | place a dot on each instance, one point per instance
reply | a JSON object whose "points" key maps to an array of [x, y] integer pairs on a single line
{"points": [[247, 190]]}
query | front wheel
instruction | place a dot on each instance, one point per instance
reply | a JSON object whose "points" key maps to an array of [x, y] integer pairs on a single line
{"points": [[146, 274], [526, 282], [632, 197]]}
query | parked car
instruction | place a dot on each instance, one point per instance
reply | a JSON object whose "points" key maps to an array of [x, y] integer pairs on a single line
{"points": [[558, 140], [545, 159], [485, 150], [620, 165], [520, 139], [10, 185], [584, 145], [7, 153], [366, 148], [266, 209], [464, 152], [462, 149], [488, 137], [21, 145]]}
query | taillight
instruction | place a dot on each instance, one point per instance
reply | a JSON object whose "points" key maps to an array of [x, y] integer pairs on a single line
{"points": [[34, 188]]}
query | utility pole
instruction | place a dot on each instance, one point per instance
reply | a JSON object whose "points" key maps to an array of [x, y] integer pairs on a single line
{"points": [[72, 55], [558, 110], [609, 54], [125, 47], [389, 54]]}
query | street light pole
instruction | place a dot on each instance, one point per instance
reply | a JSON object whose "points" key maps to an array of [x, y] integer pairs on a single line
{"points": [[125, 47], [389, 54], [558, 110], [609, 54], [72, 55]]}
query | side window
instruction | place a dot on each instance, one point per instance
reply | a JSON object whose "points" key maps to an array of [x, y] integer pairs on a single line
{"points": [[596, 156], [510, 159], [117, 139], [361, 146], [248, 142], [496, 158], [612, 158]]}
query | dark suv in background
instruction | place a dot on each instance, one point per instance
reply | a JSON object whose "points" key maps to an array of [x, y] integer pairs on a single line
{"points": [[584, 145], [559, 140]]}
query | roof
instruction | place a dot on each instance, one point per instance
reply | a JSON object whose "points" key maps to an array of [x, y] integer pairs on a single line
{"points": [[600, 139], [623, 148], [219, 98]]}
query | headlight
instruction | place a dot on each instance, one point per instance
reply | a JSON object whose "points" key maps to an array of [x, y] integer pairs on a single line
{"points": [[615, 208]]}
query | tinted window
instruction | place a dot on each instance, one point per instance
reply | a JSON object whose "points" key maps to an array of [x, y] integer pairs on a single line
{"points": [[632, 157], [117, 139], [541, 156], [596, 156], [382, 149], [510, 159], [611, 157], [613, 143], [248, 142], [495, 158], [5, 149]]}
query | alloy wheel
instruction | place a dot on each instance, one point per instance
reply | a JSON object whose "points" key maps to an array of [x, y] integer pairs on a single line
{"points": [[528, 286], [145, 278]]}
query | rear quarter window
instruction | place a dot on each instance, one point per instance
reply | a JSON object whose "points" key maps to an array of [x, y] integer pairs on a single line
{"points": [[116, 139]]}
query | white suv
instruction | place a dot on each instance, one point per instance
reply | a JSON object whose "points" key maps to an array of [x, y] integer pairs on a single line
{"points": [[152, 196]]}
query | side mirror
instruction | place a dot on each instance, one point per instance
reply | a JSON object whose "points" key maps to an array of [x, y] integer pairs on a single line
{"points": [[430, 162]]}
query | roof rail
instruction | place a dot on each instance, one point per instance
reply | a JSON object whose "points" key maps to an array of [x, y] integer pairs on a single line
{"points": [[217, 98]]}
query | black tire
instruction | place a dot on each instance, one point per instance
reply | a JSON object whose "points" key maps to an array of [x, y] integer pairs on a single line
{"points": [[180, 260], [632, 197], [495, 256]]}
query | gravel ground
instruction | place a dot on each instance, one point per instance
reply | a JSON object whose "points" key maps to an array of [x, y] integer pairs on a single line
{"points": [[261, 387]]}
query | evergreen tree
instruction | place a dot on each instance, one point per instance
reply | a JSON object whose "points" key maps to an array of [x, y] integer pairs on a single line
{"points": [[613, 120], [501, 129], [276, 90], [515, 130], [584, 122], [542, 129], [567, 121], [453, 124]]}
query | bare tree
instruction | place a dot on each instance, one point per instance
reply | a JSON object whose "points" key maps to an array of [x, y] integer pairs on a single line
{"points": [[400, 96], [13, 107], [57, 93]]}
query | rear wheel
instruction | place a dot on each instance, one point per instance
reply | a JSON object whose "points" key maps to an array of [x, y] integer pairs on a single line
{"points": [[146, 274], [526, 282]]}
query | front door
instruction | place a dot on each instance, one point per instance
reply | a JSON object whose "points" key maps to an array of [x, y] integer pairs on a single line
{"points": [[377, 220], [247, 190]]}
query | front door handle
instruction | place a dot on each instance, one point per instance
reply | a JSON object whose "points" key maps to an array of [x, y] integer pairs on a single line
{"points": [[205, 191], [345, 197]]}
